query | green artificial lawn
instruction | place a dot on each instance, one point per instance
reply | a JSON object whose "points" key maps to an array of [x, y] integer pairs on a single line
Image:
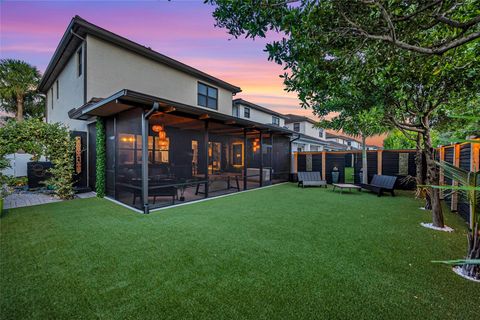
{"points": [[281, 252]]}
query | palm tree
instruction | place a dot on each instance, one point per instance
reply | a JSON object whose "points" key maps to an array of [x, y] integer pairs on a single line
{"points": [[18, 79]]}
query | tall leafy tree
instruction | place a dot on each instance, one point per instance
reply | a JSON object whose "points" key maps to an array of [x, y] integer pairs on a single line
{"points": [[363, 123], [18, 83], [405, 52], [430, 27], [397, 140]]}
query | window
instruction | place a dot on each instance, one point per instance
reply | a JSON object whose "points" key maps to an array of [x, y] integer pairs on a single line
{"points": [[207, 96], [349, 143], [320, 133], [56, 87], [296, 127], [80, 61], [275, 121], [51, 96], [246, 112], [235, 111]]}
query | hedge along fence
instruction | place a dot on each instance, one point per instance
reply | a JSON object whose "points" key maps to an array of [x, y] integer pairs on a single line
{"points": [[464, 155], [400, 163], [50, 140]]}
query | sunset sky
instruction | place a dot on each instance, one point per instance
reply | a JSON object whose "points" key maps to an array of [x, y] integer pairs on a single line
{"points": [[183, 30]]}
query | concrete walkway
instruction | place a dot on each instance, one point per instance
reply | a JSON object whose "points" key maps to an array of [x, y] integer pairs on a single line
{"points": [[25, 199]]}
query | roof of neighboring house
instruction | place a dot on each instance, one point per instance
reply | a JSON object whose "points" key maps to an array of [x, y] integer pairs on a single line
{"points": [[257, 107], [80, 27], [306, 138], [335, 136], [289, 118]]}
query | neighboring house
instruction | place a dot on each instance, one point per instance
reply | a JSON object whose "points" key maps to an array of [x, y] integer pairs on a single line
{"points": [[310, 138], [170, 132], [247, 110], [348, 142]]}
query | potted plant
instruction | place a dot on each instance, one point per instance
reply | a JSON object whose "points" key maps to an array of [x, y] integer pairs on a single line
{"points": [[335, 175]]}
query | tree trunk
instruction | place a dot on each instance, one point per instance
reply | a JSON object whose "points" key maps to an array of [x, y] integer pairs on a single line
{"points": [[364, 160], [420, 171], [433, 179], [20, 100]]}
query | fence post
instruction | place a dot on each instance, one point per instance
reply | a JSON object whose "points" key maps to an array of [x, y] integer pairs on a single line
{"points": [[379, 162], [456, 163], [324, 165], [295, 162], [474, 166], [441, 178]]}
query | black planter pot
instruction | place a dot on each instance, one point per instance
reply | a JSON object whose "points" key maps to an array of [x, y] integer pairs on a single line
{"points": [[37, 173]]}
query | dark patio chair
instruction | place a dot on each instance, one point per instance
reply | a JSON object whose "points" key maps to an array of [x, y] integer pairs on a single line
{"points": [[311, 179], [381, 183]]}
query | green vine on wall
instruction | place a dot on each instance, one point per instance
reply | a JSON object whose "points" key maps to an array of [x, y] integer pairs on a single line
{"points": [[101, 158], [38, 138]]}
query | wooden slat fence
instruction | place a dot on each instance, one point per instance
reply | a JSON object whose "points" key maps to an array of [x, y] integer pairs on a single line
{"points": [[400, 163]]}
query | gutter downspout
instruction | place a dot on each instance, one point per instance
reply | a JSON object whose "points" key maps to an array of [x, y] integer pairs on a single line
{"points": [[145, 117]]}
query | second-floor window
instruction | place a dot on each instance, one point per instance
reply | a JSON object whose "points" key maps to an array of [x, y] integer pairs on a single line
{"points": [[235, 111], [51, 96], [246, 112], [296, 127], [207, 96], [80, 61], [275, 121], [320, 133], [56, 87]]}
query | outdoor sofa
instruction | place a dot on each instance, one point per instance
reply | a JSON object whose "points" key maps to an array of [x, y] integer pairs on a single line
{"points": [[311, 179], [381, 183]]}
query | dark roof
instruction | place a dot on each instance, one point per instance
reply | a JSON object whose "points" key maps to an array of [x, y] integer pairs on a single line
{"points": [[256, 106], [289, 118], [331, 135], [126, 99], [70, 42]]}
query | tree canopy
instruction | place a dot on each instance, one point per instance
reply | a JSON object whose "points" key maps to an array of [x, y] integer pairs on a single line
{"points": [[422, 26]]}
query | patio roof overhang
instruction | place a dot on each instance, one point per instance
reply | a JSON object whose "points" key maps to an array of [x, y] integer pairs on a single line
{"points": [[126, 99]]}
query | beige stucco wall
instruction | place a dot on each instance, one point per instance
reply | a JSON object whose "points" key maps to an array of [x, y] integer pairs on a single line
{"points": [[111, 69], [70, 95]]}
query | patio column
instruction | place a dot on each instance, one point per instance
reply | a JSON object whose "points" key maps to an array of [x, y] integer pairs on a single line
{"points": [[145, 163], [207, 159], [244, 159], [261, 158]]}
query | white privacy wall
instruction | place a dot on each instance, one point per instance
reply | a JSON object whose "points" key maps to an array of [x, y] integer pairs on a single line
{"points": [[18, 164]]}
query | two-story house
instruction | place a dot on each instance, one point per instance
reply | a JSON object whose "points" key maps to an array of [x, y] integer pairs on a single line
{"points": [[170, 132], [310, 137], [247, 110]]}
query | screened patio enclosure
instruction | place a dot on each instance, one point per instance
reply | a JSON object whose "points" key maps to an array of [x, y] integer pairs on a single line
{"points": [[191, 153]]}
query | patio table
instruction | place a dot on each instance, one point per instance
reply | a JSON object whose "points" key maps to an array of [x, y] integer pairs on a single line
{"points": [[349, 186]]}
